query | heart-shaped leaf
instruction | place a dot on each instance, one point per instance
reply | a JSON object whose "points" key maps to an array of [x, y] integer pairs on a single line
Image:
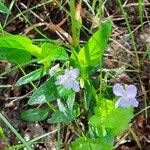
{"points": [[14, 55], [19, 43], [51, 52], [57, 117], [36, 114], [45, 93], [34, 75], [92, 52]]}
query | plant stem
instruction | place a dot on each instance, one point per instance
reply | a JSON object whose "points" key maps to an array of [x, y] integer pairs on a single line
{"points": [[58, 138], [74, 22], [134, 44], [135, 137], [130, 32], [2, 135], [10, 8], [14, 131]]}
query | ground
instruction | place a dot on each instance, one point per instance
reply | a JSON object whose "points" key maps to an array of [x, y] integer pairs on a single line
{"points": [[53, 22]]}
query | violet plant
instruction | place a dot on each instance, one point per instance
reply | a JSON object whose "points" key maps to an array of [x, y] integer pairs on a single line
{"points": [[63, 85]]}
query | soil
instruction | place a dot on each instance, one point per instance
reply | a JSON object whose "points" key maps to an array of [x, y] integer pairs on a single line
{"points": [[51, 19]]}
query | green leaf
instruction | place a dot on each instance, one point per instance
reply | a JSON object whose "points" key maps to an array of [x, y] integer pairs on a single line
{"points": [[45, 93], [57, 117], [65, 111], [116, 125], [115, 119], [1, 28], [3, 9], [90, 144], [36, 114], [68, 95], [65, 114], [60, 117], [14, 55], [51, 52], [34, 75], [101, 113], [20, 43], [92, 52], [70, 100]]}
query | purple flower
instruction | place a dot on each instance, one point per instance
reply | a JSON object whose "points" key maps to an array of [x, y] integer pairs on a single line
{"points": [[126, 96], [68, 80]]}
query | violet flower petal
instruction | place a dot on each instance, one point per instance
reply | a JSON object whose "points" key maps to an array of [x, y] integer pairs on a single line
{"points": [[131, 91], [117, 104], [72, 84], [123, 102], [76, 86], [60, 79], [68, 80], [73, 73], [126, 102], [118, 90], [68, 83], [134, 102]]}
